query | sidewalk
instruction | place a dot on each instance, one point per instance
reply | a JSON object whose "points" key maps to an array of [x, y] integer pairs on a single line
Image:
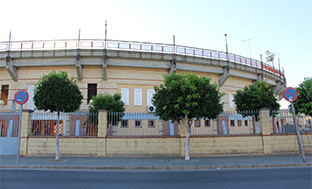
{"points": [[155, 163]]}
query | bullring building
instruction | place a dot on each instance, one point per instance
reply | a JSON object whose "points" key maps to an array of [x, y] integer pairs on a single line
{"points": [[129, 68]]}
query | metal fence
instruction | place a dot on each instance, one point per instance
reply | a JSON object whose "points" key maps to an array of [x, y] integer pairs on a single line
{"points": [[9, 124], [70, 124], [228, 123], [282, 122], [147, 124], [134, 124]]}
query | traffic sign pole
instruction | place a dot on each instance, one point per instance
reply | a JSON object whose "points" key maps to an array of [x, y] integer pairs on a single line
{"points": [[19, 135], [20, 97], [291, 94], [297, 132]]}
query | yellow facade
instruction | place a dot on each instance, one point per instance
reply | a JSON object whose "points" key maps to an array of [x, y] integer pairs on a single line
{"points": [[118, 77]]}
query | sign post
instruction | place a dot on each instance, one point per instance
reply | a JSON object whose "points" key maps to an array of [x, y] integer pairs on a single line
{"points": [[20, 97], [290, 94]]}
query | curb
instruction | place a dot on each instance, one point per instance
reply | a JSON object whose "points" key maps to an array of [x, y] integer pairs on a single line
{"points": [[159, 168]]}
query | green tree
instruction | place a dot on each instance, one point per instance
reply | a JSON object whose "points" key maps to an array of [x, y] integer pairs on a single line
{"points": [[57, 92], [184, 97], [303, 104], [254, 97], [112, 103]]}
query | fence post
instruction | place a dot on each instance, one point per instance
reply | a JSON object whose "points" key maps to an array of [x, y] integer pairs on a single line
{"points": [[26, 123], [102, 124], [264, 121], [265, 129], [182, 139], [182, 130], [25, 130]]}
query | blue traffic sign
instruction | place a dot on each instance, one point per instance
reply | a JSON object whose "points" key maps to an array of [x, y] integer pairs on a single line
{"points": [[21, 97], [290, 94]]}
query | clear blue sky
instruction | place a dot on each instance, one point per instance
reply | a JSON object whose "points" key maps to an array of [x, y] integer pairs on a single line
{"points": [[281, 26]]}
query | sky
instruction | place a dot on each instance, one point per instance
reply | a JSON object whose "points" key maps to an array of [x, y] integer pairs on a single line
{"points": [[252, 26]]}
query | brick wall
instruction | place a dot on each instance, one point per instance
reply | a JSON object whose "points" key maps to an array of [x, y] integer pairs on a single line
{"points": [[104, 146], [163, 147]]}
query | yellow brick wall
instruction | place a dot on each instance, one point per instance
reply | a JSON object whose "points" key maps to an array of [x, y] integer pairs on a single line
{"points": [[210, 146], [43, 146], [163, 147], [155, 147], [283, 144]]}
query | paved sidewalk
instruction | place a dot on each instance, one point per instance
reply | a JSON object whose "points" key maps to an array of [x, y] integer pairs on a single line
{"points": [[155, 163]]}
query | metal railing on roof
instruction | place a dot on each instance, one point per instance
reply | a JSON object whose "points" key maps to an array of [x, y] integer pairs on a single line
{"points": [[71, 44]]}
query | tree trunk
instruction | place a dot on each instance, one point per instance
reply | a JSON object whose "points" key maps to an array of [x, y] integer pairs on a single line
{"points": [[187, 143], [57, 156]]}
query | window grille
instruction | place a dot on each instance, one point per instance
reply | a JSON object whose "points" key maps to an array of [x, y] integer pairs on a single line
{"points": [[4, 128], [207, 123], [151, 123], [137, 123], [92, 91], [46, 127], [5, 93], [124, 123], [197, 123]]}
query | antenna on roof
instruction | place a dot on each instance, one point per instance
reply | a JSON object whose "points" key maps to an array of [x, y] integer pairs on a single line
{"points": [[9, 44], [105, 34], [79, 39], [104, 65], [174, 47], [8, 49], [248, 40]]}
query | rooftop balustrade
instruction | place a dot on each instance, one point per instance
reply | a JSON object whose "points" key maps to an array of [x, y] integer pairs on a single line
{"points": [[98, 44]]}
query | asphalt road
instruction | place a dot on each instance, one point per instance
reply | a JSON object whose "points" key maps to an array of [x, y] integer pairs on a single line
{"points": [[298, 177]]}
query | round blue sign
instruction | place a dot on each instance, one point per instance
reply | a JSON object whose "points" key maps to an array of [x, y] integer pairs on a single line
{"points": [[290, 94], [21, 97]]}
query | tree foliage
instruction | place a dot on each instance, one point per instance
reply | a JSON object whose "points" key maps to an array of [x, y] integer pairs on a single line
{"points": [[57, 92], [303, 104], [254, 97], [187, 95], [184, 97], [111, 103]]}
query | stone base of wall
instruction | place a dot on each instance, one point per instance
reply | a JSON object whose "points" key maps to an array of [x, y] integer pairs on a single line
{"points": [[162, 147]]}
